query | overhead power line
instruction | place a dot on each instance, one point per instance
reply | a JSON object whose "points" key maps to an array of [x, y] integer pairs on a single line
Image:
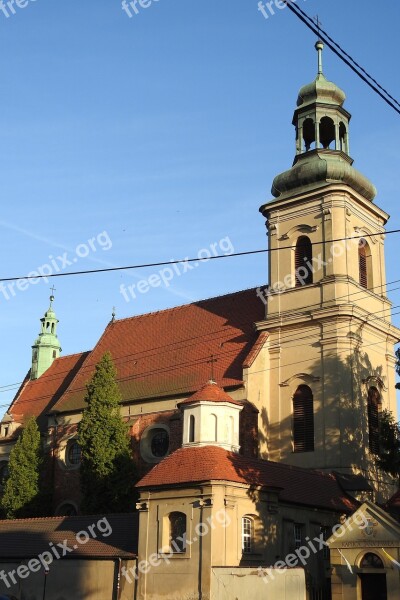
{"points": [[192, 260], [344, 56]]}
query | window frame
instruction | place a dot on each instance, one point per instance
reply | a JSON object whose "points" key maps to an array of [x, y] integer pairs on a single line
{"points": [[303, 426], [302, 255]]}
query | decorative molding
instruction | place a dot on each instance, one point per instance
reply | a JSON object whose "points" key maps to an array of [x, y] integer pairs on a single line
{"points": [[142, 506], [299, 229], [367, 231], [204, 502], [376, 381], [303, 376]]}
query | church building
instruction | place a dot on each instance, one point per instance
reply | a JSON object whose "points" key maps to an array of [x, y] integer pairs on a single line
{"points": [[254, 416]]}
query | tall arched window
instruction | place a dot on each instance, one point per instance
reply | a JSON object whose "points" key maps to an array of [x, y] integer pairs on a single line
{"points": [[303, 256], [374, 405], [247, 535], [303, 420], [192, 423], [177, 531], [213, 428], [365, 264]]}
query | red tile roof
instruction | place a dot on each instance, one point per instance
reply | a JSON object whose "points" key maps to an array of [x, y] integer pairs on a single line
{"points": [[210, 463], [37, 397], [26, 538], [210, 392], [167, 353]]}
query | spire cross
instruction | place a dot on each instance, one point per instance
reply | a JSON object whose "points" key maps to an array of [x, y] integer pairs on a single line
{"points": [[318, 24], [52, 289], [212, 361]]}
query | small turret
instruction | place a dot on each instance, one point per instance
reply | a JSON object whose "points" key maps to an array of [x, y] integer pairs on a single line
{"points": [[47, 346], [322, 141]]}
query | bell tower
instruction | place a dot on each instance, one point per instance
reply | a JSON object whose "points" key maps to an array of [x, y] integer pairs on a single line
{"points": [[47, 346], [328, 318]]}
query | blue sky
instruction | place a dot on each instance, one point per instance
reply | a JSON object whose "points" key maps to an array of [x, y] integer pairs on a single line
{"points": [[163, 132]]}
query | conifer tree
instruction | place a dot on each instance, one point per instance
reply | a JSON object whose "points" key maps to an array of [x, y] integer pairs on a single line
{"points": [[388, 458], [21, 497], [107, 471]]}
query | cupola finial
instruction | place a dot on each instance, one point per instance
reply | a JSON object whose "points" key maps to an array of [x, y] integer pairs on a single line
{"points": [[319, 46]]}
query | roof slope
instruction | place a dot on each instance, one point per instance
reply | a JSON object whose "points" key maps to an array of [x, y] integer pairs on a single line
{"points": [[37, 397], [210, 463], [24, 538], [167, 353]]}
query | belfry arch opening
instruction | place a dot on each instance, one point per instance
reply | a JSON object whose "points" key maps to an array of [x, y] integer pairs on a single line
{"points": [[326, 132], [309, 134], [343, 141]]}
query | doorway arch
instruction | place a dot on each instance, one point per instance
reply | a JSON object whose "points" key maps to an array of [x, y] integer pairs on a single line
{"points": [[372, 576]]}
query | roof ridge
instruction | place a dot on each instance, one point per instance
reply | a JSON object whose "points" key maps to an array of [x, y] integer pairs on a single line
{"points": [[61, 517], [181, 306]]}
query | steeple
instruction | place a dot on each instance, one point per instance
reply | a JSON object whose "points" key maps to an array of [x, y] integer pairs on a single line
{"points": [[322, 140], [47, 346]]}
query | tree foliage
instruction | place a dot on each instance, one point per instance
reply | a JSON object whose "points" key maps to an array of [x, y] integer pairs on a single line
{"points": [[388, 458], [21, 497], [107, 472]]}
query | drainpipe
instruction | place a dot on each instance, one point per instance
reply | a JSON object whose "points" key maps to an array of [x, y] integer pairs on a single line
{"points": [[117, 580]]}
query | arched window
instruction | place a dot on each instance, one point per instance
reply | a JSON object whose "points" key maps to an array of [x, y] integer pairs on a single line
{"points": [[303, 256], [67, 510], [365, 264], [177, 531], [73, 453], [371, 561], [374, 404], [213, 428], [247, 535], [192, 423], [326, 132], [303, 420]]}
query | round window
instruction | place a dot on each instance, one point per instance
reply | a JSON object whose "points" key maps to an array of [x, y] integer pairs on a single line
{"points": [[74, 454], [154, 443], [159, 443]]}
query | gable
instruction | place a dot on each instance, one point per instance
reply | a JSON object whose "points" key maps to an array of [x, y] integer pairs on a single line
{"points": [[368, 527]]}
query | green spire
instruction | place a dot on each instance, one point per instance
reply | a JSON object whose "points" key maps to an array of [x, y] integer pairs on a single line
{"points": [[47, 346]]}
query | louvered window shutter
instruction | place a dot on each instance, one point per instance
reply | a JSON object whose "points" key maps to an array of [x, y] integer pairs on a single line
{"points": [[362, 261], [303, 420], [373, 419], [303, 255]]}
